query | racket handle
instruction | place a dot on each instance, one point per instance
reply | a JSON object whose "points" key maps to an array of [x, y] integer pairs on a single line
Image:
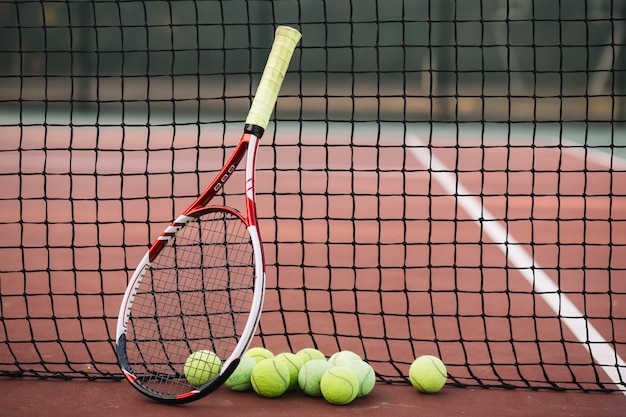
{"points": [[285, 42]]}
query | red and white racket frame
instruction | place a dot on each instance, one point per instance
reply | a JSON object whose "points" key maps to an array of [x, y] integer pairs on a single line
{"points": [[256, 122]]}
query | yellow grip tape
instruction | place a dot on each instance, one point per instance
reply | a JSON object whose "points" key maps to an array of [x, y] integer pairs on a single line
{"points": [[285, 42]]}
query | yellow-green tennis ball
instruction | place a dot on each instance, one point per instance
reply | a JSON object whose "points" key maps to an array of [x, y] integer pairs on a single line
{"points": [[201, 367], [270, 378], [308, 354], [339, 385], [239, 380], [428, 374], [342, 357], [260, 353], [294, 363], [365, 373], [310, 376]]}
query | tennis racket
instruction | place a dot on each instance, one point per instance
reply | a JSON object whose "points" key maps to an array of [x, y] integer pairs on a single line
{"points": [[201, 284]]}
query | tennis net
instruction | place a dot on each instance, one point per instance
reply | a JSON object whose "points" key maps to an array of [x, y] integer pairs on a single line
{"points": [[439, 177]]}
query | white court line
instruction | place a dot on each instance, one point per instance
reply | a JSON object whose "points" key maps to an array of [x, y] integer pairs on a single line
{"points": [[589, 337]]}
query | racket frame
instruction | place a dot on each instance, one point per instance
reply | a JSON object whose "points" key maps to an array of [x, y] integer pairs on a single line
{"points": [[256, 122], [249, 143]]}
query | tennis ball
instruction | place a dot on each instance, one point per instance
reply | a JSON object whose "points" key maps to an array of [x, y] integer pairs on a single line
{"points": [[365, 374], [428, 374], [259, 353], [342, 357], [239, 380], [270, 378], [308, 354], [310, 376], [294, 363], [201, 367], [339, 385]]}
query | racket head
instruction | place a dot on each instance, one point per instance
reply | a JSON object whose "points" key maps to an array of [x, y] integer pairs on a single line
{"points": [[203, 291]]}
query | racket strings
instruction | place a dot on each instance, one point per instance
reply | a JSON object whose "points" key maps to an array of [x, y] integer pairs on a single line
{"points": [[197, 294]]}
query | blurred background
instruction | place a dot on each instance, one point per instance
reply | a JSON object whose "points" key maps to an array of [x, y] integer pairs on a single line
{"points": [[414, 60]]}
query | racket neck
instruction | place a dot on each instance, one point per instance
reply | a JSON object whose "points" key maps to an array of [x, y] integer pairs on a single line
{"points": [[225, 173], [229, 167]]}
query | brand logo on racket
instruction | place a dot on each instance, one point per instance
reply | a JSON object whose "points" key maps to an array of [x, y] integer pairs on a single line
{"points": [[224, 178]]}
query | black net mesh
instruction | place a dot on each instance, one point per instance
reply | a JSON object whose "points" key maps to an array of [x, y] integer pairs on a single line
{"points": [[439, 177]]}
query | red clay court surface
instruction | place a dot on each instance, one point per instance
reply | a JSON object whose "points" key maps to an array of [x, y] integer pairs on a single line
{"points": [[431, 223], [35, 398]]}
